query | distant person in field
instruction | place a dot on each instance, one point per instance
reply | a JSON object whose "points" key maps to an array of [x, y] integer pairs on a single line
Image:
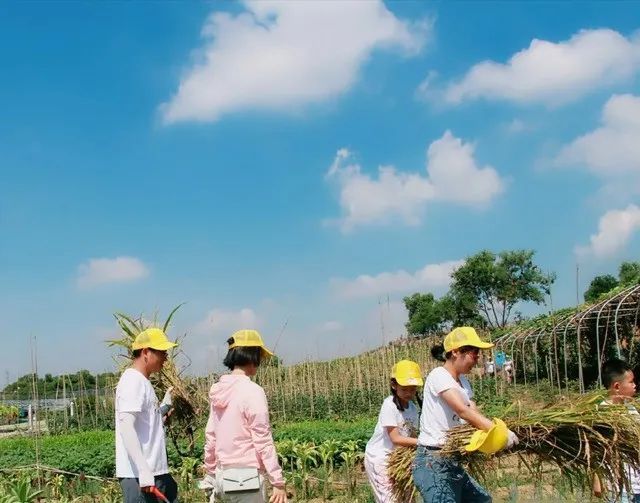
{"points": [[619, 380], [446, 403], [239, 445], [141, 454], [397, 425]]}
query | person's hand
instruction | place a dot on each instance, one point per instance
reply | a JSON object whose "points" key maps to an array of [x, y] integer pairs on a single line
{"points": [[597, 487], [208, 482], [512, 440], [167, 417], [279, 495], [168, 398]]}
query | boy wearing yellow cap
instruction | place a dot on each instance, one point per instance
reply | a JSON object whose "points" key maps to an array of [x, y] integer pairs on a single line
{"points": [[141, 455], [446, 404], [397, 425]]}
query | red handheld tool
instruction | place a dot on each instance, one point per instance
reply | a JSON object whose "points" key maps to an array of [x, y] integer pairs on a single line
{"points": [[158, 494]]}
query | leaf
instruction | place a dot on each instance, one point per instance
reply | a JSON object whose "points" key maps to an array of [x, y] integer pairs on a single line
{"points": [[166, 323], [137, 324], [119, 317], [117, 342]]}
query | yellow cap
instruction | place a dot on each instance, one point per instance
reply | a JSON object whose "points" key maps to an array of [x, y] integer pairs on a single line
{"points": [[249, 339], [407, 373], [153, 338], [490, 441], [464, 336]]}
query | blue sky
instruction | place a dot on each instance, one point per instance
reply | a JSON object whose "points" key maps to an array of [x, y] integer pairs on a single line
{"points": [[300, 163]]}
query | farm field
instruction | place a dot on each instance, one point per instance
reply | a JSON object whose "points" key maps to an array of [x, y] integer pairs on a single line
{"points": [[322, 460]]}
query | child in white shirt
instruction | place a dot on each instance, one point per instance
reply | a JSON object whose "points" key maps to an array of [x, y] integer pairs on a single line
{"points": [[618, 379], [397, 425]]}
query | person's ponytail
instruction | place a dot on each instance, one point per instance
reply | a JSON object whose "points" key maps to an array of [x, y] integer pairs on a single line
{"points": [[438, 353]]}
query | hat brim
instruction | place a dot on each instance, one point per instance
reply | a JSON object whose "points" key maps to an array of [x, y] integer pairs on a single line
{"points": [[478, 344], [163, 346], [476, 440], [481, 345], [489, 442], [266, 353], [410, 381]]}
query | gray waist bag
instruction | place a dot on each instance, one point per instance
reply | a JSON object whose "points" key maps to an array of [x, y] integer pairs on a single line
{"points": [[240, 479]]}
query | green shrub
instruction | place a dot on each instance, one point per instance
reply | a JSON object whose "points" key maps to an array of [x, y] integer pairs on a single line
{"points": [[90, 453]]}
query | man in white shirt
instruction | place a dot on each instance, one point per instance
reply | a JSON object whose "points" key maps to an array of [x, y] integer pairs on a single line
{"points": [[141, 455]]}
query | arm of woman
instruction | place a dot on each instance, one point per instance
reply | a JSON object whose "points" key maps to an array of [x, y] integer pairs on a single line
{"points": [[399, 439], [210, 446], [470, 414], [258, 422]]}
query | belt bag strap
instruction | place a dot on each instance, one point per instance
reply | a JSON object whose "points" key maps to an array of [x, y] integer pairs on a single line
{"points": [[240, 479]]}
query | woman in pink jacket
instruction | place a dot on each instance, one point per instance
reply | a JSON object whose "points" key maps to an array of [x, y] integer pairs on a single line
{"points": [[239, 451]]}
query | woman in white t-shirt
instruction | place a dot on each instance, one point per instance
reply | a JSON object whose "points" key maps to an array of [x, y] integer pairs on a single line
{"points": [[397, 425], [446, 404]]}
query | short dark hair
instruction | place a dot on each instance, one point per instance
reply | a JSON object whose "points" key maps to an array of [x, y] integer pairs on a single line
{"points": [[137, 352], [613, 371], [242, 355], [438, 353]]}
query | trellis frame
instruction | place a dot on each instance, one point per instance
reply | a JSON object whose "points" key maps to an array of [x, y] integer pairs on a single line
{"points": [[623, 306]]}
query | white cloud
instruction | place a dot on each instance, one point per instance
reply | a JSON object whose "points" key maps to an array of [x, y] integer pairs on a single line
{"points": [[281, 55], [615, 229], [553, 73], [452, 175], [455, 175], [225, 322], [365, 200], [431, 277], [99, 271], [614, 148]]}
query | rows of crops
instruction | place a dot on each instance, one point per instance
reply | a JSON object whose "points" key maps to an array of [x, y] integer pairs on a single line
{"points": [[321, 460]]}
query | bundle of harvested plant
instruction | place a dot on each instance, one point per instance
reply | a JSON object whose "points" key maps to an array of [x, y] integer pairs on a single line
{"points": [[189, 403], [578, 434], [399, 472]]}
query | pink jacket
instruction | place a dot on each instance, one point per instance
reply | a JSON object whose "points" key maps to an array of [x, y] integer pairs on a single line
{"points": [[238, 431]]}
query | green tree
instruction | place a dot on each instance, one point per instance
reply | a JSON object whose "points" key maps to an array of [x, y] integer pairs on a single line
{"points": [[496, 283], [460, 309], [425, 314], [629, 273], [598, 286]]}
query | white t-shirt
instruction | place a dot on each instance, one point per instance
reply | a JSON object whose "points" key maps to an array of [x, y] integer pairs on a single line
{"points": [[437, 417], [634, 476], [380, 444], [135, 394]]}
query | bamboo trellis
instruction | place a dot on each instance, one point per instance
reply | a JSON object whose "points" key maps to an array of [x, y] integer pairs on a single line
{"points": [[607, 326]]}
